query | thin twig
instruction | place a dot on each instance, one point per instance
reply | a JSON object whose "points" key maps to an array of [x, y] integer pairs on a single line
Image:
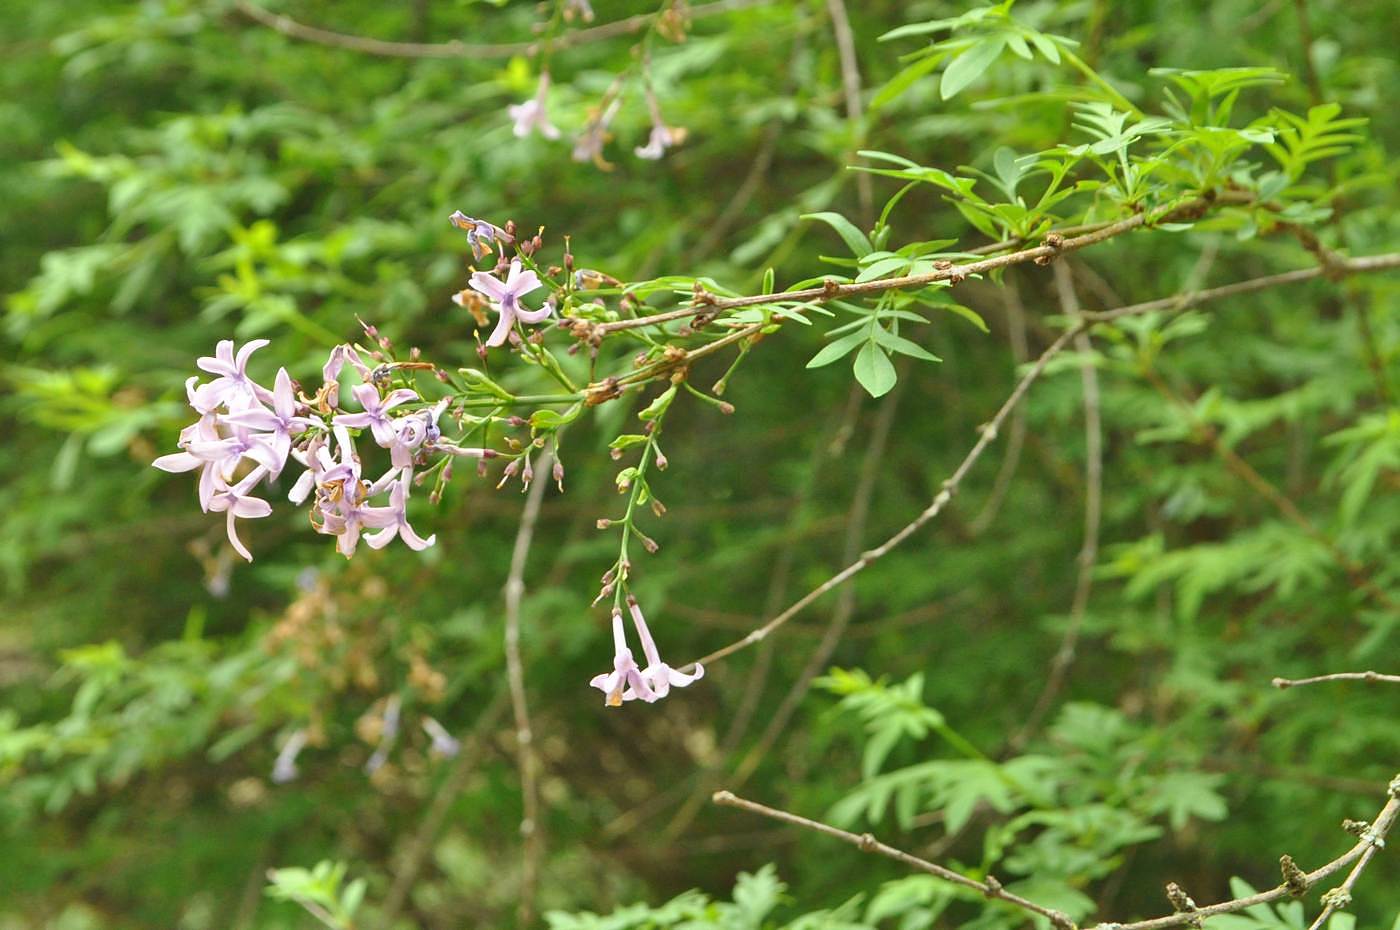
{"points": [[1283, 683], [1093, 514], [988, 432], [1056, 245], [866, 842], [386, 49], [1360, 854], [530, 833]]}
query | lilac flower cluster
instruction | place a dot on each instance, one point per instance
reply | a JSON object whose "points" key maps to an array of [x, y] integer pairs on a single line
{"points": [[246, 433]]}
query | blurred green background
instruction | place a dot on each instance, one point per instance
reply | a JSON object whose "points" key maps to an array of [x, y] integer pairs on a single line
{"points": [[173, 173]]}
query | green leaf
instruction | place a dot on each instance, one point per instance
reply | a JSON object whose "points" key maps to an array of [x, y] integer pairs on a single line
{"points": [[837, 350], [903, 346], [874, 370], [968, 66], [855, 240]]}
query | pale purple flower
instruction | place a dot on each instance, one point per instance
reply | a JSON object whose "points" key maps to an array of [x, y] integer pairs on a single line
{"points": [[236, 503], [203, 430], [280, 422], [414, 431], [376, 411], [340, 356], [285, 768], [444, 744], [580, 8], [624, 682], [226, 453], [394, 519], [389, 731], [659, 676], [589, 145], [232, 387], [531, 115], [662, 136], [480, 234], [505, 297]]}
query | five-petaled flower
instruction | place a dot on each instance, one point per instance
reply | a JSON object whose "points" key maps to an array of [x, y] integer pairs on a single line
{"points": [[376, 412], [531, 115], [279, 424], [394, 519], [232, 387], [505, 298]]}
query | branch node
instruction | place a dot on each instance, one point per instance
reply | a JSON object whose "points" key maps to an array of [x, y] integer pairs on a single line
{"points": [[1337, 898], [994, 887], [830, 288], [868, 843], [1293, 877], [1357, 828]]}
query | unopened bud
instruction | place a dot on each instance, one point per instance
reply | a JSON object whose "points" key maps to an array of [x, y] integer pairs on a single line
{"points": [[657, 507], [661, 460], [516, 421], [559, 475], [603, 523]]}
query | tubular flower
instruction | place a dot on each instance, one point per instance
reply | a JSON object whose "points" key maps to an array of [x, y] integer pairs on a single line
{"points": [[627, 682], [531, 116]]}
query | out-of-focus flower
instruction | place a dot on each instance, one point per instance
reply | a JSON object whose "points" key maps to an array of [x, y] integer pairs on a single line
{"points": [[531, 116], [389, 731], [580, 8], [480, 234], [589, 145], [284, 769], [444, 744], [662, 136], [505, 296]]}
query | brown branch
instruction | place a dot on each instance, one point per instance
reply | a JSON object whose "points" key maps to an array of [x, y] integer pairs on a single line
{"points": [[386, 49], [1284, 683], [530, 832], [1055, 244], [1361, 854], [866, 842], [988, 432]]}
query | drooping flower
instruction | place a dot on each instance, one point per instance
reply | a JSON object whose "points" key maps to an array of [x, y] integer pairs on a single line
{"points": [[480, 234], [580, 8], [662, 137], [232, 388], [236, 502], [284, 769], [340, 356], [388, 732], [589, 145], [376, 411], [394, 519], [505, 297], [624, 682], [659, 676], [531, 116], [279, 423], [444, 744]]}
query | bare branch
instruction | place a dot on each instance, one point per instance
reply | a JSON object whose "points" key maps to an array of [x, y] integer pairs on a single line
{"points": [[988, 432], [385, 49], [850, 83], [524, 736], [866, 842], [1283, 683]]}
